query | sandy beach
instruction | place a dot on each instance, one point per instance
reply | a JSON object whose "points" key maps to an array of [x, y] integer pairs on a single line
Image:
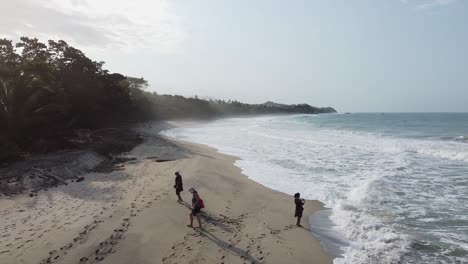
{"points": [[131, 215]]}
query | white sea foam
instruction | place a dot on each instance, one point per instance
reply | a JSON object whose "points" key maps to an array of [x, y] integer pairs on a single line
{"points": [[375, 185]]}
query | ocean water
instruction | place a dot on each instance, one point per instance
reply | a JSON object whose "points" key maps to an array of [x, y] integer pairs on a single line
{"points": [[396, 184]]}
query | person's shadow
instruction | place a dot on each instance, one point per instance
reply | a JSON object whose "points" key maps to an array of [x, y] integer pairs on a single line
{"points": [[228, 247], [219, 242], [216, 221]]}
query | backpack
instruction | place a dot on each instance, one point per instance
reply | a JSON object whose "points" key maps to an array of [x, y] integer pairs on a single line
{"points": [[201, 203]]}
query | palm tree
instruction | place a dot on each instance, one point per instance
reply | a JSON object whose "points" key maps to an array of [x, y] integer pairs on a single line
{"points": [[28, 92], [26, 101]]}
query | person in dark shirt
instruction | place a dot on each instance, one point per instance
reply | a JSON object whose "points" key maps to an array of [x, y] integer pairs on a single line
{"points": [[178, 185], [197, 205], [299, 208]]}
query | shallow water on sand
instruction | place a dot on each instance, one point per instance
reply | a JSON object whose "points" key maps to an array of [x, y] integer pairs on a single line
{"points": [[396, 184]]}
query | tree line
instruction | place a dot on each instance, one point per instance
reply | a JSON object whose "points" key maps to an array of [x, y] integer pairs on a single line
{"points": [[48, 91]]}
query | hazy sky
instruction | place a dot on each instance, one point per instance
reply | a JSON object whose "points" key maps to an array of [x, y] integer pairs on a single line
{"points": [[354, 55]]}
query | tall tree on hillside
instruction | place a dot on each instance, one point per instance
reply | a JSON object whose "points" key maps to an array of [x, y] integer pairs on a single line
{"points": [[93, 97], [48, 89], [144, 107], [28, 94]]}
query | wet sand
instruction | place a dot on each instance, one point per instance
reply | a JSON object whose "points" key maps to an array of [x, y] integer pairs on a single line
{"points": [[131, 215]]}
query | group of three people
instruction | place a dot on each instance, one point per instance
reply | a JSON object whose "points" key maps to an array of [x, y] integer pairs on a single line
{"points": [[197, 202]]}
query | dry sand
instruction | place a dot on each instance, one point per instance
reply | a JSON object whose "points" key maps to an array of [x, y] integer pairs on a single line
{"points": [[131, 215]]}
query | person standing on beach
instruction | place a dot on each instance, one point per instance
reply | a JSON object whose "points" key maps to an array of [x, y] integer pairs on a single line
{"points": [[178, 185], [299, 208], [197, 205]]}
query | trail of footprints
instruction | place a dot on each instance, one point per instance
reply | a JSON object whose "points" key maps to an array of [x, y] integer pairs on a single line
{"points": [[107, 246], [180, 249], [144, 199], [53, 210], [231, 230], [51, 215]]}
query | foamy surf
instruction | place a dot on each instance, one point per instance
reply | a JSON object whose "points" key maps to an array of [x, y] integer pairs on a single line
{"points": [[393, 193]]}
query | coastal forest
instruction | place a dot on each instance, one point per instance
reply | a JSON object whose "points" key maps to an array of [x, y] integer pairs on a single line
{"points": [[51, 92]]}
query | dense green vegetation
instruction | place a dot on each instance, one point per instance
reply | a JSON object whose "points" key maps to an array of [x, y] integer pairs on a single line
{"points": [[50, 91]]}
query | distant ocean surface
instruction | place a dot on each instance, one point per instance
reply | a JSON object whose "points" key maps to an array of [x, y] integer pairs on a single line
{"points": [[396, 184]]}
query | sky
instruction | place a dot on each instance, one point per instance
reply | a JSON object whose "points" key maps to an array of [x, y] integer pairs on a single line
{"points": [[353, 55]]}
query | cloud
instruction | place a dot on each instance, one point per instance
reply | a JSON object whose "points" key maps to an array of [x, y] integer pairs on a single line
{"points": [[120, 24], [435, 3], [427, 4]]}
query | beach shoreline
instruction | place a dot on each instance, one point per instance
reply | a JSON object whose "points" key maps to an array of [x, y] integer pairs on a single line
{"points": [[131, 215]]}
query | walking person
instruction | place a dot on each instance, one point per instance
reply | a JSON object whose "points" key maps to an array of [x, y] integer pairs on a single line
{"points": [[178, 185], [299, 208], [197, 205]]}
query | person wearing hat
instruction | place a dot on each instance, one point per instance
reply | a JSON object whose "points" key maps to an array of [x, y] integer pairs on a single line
{"points": [[197, 205], [178, 185], [299, 208]]}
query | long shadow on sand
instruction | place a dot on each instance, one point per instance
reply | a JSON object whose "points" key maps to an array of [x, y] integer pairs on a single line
{"points": [[228, 247], [216, 221], [221, 223]]}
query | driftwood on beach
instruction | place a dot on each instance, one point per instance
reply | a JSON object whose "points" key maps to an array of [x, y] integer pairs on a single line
{"points": [[50, 175]]}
